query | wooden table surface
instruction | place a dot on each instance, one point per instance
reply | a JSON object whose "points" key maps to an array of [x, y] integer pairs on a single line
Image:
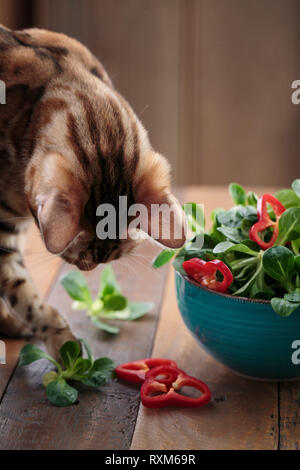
{"points": [[243, 414]]}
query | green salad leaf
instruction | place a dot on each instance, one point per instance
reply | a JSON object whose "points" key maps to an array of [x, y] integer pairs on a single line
{"points": [[75, 368], [288, 198], [289, 226], [270, 274], [109, 304], [76, 285], [278, 262], [59, 393], [296, 187], [237, 193], [163, 257], [283, 307]]}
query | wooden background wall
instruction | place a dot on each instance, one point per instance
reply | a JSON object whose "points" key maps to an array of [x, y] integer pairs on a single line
{"points": [[210, 79]]}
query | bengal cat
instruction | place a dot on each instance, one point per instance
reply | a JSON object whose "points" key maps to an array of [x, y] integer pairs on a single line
{"points": [[68, 142]]}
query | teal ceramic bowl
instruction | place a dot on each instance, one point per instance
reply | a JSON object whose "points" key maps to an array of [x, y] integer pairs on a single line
{"points": [[245, 335]]}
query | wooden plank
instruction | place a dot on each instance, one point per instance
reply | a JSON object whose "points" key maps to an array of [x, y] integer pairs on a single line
{"points": [[43, 268], [289, 415], [101, 420], [243, 413], [6, 370]]}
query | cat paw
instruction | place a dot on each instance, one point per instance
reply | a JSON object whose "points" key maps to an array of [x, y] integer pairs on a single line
{"points": [[13, 328]]}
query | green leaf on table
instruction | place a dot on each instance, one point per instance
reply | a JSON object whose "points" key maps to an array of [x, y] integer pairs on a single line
{"points": [[49, 377], [289, 226], [30, 353], [163, 257], [81, 366], [105, 326], [296, 187], [78, 369], [115, 302], [133, 311], [87, 349], [77, 305], [108, 291], [139, 309], [76, 285], [283, 307], [108, 282], [288, 198], [104, 365], [278, 262], [94, 380], [238, 194], [114, 314], [60, 393], [69, 352], [102, 370]]}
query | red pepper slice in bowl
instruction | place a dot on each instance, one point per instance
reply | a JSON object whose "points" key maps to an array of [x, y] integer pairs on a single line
{"points": [[206, 273], [136, 371], [265, 221], [155, 394]]}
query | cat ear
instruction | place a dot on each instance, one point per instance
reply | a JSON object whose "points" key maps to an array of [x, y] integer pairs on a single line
{"points": [[59, 220], [165, 217], [59, 200]]}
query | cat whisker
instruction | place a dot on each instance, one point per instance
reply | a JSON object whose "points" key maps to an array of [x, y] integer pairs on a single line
{"points": [[132, 256], [124, 262], [39, 259], [143, 110]]}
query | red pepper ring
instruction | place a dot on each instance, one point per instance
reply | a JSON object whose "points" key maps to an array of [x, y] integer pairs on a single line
{"points": [[136, 371], [205, 273], [170, 397], [265, 221]]}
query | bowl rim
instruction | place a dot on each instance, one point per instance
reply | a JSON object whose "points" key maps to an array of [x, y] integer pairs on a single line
{"points": [[220, 294]]}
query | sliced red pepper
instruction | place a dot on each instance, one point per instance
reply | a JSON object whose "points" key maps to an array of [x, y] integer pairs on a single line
{"points": [[205, 273], [169, 396], [136, 371], [265, 221]]}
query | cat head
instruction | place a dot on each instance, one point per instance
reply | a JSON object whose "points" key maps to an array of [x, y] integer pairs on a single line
{"points": [[87, 158]]}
